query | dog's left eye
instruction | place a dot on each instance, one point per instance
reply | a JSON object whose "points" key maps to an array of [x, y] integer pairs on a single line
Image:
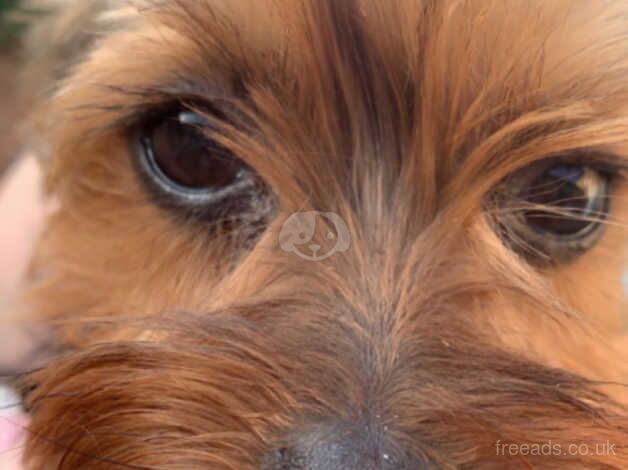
{"points": [[566, 200], [189, 170], [557, 211]]}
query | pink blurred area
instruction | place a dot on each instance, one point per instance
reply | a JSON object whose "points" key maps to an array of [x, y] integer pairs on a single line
{"points": [[21, 216], [13, 425], [21, 212]]}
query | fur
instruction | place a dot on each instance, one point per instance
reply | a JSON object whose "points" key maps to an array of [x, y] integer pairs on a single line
{"points": [[189, 351]]}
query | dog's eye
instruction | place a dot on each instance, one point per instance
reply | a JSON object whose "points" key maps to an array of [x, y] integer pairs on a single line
{"points": [[189, 171], [178, 154], [558, 211], [566, 201]]}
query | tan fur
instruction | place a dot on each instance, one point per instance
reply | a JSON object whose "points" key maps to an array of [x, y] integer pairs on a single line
{"points": [[187, 351]]}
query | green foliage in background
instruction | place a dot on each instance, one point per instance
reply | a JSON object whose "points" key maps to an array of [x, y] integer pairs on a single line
{"points": [[14, 19], [10, 28]]}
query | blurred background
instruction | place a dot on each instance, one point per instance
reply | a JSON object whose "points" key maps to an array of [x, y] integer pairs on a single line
{"points": [[20, 197], [39, 41], [15, 16]]}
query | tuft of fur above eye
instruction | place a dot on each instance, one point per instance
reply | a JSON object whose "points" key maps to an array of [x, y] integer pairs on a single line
{"points": [[557, 210]]}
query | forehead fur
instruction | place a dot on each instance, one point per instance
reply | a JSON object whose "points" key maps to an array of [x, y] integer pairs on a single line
{"points": [[441, 91]]}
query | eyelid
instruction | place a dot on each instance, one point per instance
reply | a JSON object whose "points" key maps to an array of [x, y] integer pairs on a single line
{"points": [[612, 166], [127, 120], [603, 161]]}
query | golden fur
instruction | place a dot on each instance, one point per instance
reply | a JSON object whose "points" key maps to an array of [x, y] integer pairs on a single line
{"points": [[186, 350]]}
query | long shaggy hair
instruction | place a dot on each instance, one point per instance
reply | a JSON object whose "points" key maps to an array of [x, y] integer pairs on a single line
{"points": [[427, 343]]}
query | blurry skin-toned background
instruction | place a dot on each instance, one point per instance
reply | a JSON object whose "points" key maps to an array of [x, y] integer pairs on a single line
{"points": [[18, 179], [20, 219], [20, 215]]}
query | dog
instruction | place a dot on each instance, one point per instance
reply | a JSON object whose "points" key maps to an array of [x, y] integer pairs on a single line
{"points": [[322, 234]]}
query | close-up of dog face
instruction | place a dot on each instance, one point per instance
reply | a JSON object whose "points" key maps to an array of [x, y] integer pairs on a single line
{"points": [[332, 234]]}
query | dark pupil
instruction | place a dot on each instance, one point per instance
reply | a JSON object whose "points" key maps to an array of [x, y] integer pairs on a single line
{"points": [[573, 196], [187, 157]]}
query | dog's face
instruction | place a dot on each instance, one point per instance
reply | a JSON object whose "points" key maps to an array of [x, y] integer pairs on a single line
{"points": [[338, 235]]}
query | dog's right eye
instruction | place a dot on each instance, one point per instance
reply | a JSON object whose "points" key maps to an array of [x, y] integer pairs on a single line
{"points": [[181, 155], [177, 155], [187, 170]]}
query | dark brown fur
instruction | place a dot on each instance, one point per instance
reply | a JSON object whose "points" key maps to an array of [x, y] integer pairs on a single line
{"points": [[188, 351]]}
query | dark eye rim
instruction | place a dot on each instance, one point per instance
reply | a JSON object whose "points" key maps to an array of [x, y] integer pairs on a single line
{"points": [[542, 247]]}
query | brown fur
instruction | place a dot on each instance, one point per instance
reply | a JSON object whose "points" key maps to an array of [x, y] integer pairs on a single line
{"points": [[188, 351]]}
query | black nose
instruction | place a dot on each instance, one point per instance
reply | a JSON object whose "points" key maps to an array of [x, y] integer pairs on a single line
{"points": [[343, 449]]}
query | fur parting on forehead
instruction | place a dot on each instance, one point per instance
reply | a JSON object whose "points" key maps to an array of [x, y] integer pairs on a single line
{"points": [[473, 37]]}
